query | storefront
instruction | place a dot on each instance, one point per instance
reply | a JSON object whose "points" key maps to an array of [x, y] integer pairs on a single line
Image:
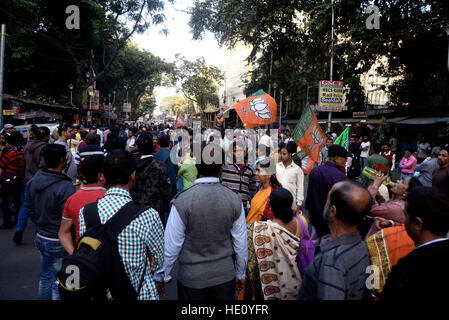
{"points": [[24, 110]]}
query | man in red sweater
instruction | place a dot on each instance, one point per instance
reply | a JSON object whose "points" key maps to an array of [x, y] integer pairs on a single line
{"points": [[92, 191], [11, 173]]}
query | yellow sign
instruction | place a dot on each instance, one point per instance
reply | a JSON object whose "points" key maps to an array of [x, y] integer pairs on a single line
{"points": [[8, 112], [330, 97]]}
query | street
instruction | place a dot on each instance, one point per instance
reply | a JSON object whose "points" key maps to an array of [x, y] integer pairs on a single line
{"points": [[20, 265]]}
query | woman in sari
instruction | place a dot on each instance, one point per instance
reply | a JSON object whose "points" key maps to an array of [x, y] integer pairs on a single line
{"points": [[394, 208], [273, 248], [260, 209]]}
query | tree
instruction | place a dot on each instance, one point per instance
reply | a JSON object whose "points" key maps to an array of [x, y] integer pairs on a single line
{"points": [[146, 106], [297, 33], [176, 104], [197, 81], [134, 75], [43, 56]]}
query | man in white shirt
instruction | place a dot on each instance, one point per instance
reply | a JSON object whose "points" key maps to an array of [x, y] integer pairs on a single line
{"points": [[290, 175], [365, 147], [424, 149]]}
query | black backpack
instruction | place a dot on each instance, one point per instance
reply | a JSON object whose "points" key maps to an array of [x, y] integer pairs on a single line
{"points": [[94, 271]]}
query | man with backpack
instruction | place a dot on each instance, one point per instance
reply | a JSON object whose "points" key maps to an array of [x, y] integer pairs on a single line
{"points": [[47, 192], [137, 240]]}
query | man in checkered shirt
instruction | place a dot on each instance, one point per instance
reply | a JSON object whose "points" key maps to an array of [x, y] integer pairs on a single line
{"points": [[145, 230]]}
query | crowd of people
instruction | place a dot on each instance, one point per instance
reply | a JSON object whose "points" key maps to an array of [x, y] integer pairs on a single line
{"points": [[239, 230]]}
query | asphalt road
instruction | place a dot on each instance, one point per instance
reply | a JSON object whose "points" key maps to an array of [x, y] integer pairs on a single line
{"points": [[20, 268]]}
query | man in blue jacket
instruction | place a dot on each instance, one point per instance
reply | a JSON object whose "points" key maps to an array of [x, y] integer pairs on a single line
{"points": [[47, 192], [163, 155]]}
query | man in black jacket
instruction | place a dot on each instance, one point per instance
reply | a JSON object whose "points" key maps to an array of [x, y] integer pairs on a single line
{"points": [[152, 186], [47, 193], [423, 273]]}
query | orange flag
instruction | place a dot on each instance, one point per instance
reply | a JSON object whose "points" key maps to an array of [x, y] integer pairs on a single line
{"points": [[179, 121], [258, 110], [308, 134]]}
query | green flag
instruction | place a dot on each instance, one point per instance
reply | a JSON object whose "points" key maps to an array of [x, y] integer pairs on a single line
{"points": [[343, 139]]}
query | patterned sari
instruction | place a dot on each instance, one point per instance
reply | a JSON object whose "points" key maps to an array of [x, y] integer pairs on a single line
{"points": [[272, 269]]}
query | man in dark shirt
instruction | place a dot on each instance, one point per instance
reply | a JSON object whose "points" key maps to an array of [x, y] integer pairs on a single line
{"points": [[152, 186], [422, 274], [354, 151], [163, 155], [321, 180], [338, 272], [440, 177]]}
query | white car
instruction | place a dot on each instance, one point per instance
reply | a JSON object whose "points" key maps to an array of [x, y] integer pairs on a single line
{"points": [[23, 129]]}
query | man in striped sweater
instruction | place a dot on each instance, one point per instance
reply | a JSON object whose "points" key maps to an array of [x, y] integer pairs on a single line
{"points": [[239, 176], [12, 173]]}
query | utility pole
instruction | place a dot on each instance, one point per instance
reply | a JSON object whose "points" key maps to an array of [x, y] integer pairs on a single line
{"points": [[2, 67], [447, 31], [332, 63]]}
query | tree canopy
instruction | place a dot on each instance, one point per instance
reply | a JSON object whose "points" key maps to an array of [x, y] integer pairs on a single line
{"points": [[43, 56], [197, 81], [298, 34]]}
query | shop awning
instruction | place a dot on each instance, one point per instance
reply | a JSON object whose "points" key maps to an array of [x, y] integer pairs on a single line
{"points": [[39, 103], [423, 121]]}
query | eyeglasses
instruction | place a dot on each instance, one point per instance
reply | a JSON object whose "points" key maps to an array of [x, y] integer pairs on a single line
{"points": [[443, 155]]}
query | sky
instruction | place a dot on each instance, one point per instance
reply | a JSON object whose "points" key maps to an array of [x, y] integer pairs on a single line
{"points": [[178, 40]]}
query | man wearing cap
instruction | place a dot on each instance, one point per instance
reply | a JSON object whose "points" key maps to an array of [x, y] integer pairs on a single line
{"points": [[8, 129], [321, 180]]}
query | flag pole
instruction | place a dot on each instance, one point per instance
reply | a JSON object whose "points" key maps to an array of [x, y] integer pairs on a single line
{"points": [[331, 64]]}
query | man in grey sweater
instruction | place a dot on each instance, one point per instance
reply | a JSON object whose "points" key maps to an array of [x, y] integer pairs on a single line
{"points": [[206, 229], [338, 272]]}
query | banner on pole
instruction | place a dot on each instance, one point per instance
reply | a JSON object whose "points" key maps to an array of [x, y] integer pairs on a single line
{"points": [[126, 107], [257, 110], [343, 138], [330, 96], [179, 121], [308, 134]]}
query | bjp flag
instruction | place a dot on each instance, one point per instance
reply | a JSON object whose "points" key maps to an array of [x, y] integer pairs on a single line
{"points": [[179, 121], [308, 134], [257, 110]]}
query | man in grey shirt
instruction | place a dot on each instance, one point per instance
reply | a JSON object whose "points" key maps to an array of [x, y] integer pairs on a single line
{"points": [[427, 168], [338, 272]]}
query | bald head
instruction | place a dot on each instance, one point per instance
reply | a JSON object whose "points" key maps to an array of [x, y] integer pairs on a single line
{"points": [[351, 200]]}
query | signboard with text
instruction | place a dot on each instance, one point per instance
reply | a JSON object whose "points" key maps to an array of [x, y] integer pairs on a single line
{"points": [[91, 97], [330, 96], [126, 107]]}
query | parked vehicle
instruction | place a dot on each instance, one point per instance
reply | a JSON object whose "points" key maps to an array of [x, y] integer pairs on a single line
{"points": [[23, 129]]}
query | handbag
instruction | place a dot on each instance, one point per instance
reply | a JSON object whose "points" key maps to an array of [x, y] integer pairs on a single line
{"points": [[306, 248]]}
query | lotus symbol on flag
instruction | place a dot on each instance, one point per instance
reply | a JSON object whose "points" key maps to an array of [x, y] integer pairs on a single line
{"points": [[260, 108]]}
